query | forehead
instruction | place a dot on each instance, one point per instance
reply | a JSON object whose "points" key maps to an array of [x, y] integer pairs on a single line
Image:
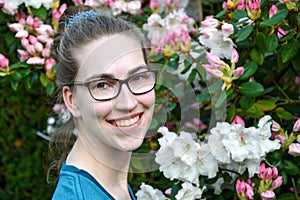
{"points": [[114, 54]]}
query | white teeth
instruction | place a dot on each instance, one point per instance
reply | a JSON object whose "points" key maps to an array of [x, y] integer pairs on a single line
{"points": [[124, 123]]}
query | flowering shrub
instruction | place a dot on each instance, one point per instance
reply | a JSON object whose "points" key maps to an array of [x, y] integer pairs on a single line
{"points": [[231, 118]]}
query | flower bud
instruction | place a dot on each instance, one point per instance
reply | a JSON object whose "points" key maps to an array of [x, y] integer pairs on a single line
{"points": [[240, 186], [267, 195], [275, 126], [296, 127], [238, 72], [234, 56], [277, 182], [238, 120], [294, 149]]}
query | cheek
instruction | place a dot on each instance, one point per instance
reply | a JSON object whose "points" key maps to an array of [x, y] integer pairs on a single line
{"points": [[148, 99]]}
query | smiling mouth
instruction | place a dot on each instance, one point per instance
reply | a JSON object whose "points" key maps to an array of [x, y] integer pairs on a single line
{"points": [[125, 122]]}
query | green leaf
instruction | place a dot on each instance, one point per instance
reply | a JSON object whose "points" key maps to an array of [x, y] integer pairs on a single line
{"points": [[266, 105], [257, 56], [16, 76], [249, 69], [244, 33], [239, 14], [44, 80], [272, 43], [251, 89], [50, 88], [283, 114], [255, 111], [246, 102], [287, 196], [220, 14], [277, 18], [261, 41], [41, 12], [289, 51], [14, 84], [156, 57], [291, 168], [231, 113]]}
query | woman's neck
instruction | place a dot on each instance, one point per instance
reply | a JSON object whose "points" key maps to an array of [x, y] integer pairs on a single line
{"points": [[109, 167]]}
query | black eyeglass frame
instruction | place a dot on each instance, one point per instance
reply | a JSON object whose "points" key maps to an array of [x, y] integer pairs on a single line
{"points": [[121, 82]]}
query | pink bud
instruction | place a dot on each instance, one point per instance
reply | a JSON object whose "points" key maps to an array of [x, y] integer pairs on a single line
{"points": [[234, 56], [268, 173], [227, 29], [57, 108], [210, 22], [238, 120], [46, 52], [24, 55], [38, 47], [30, 49], [168, 191], [238, 72], [21, 34], [32, 39], [50, 62], [154, 4], [296, 127], [35, 61], [30, 20], [277, 182], [214, 60], [275, 126], [274, 172], [273, 11], [267, 195], [211, 70], [262, 170], [240, 186], [4, 62], [281, 138], [16, 27], [294, 149], [249, 192], [25, 42]]}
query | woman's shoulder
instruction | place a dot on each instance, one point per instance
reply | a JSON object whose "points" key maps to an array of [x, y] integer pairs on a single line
{"points": [[75, 183]]}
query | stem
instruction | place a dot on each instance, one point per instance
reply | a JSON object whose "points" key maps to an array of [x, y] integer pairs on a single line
{"points": [[295, 189], [200, 10], [281, 90]]}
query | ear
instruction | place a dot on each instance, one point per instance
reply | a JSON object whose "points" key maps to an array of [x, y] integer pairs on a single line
{"points": [[70, 101]]}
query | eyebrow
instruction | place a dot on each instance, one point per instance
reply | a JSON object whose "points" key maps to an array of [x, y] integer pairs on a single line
{"points": [[105, 75]]}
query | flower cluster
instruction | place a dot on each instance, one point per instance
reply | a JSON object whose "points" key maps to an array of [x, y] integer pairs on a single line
{"points": [[171, 33]]}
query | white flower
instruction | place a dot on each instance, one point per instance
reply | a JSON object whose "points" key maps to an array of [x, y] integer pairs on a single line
{"points": [[182, 158], [134, 7], [219, 44], [38, 3], [148, 193], [189, 192]]}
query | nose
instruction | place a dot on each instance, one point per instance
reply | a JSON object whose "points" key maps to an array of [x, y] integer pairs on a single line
{"points": [[126, 100]]}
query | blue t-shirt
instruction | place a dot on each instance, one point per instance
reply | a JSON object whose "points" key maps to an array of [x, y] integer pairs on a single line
{"points": [[78, 184]]}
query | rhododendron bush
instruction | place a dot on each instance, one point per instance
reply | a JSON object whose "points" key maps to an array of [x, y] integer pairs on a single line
{"points": [[227, 118]]}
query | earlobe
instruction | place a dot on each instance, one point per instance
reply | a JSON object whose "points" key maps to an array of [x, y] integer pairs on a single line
{"points": [[70, 101]]}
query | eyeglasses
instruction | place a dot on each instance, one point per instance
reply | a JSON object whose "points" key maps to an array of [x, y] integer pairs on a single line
{"points": [[108, 88]]}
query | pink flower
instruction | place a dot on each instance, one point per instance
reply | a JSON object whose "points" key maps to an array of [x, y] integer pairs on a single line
{"points": [[273, 10], [214, 60], [281, 138], [4, 62], [275, 126], [227, 29], [154, 4], [296, 127], [294, 149], [277, 182], [50, 62], [57, 108], [210, 22], [238, 120], [240, 186], [274, 172], [24, 55], [249, 192], [57, 13], [238, 72], [267, 195], [234, 56]]}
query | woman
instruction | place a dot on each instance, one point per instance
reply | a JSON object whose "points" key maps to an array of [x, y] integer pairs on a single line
{"points": [[108, 88]]}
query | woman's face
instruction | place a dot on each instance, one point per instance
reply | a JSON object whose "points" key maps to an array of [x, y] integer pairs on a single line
{"points": [[120, 123]]}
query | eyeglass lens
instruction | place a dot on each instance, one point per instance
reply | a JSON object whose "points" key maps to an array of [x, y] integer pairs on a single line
{"points": [[107, 88]]}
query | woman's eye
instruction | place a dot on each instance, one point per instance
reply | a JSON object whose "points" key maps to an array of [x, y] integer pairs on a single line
{"points": [[139, 77], [101, 85]]}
